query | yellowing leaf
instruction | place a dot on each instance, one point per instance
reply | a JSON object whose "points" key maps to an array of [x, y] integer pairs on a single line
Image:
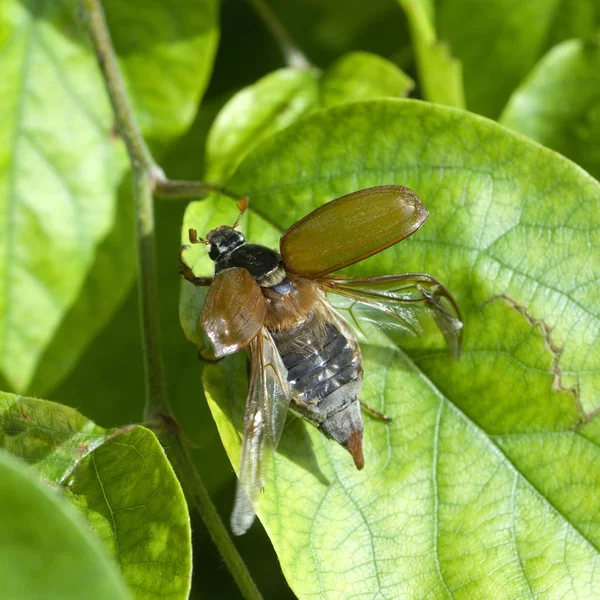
{"points": [[485, 483]]}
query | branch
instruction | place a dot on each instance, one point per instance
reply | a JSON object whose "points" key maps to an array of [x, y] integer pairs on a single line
{"points": [[198, 495], [294, 57], [147, 176], [157, 401], [126, 121]]}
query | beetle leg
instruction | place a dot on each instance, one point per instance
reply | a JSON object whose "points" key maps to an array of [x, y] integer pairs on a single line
{"points": [[185, 270], [375, 413], [194, 239]]}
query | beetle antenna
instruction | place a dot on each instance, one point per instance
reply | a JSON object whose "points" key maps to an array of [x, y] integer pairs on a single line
{"points": [[242, 205], [194, 239]]}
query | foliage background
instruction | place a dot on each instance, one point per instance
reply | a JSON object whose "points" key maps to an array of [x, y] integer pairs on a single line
{"points": [[540, 54]]}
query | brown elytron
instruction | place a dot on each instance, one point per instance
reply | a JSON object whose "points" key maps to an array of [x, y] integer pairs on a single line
{"points": [[303, 354], [234, 311], [348, 219]]}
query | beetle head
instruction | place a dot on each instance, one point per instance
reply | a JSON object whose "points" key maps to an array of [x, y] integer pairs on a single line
{"points": [[223, 240]]}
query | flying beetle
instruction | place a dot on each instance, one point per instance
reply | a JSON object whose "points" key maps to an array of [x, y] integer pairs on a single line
{"points": [[303, 354]]}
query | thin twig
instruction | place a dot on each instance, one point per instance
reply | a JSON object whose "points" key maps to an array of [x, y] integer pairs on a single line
{"points": [[294, 57], [197, 493], [146, 176], [157, 401], [126, 121]]}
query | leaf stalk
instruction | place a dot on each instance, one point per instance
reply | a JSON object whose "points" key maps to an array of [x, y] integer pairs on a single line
{"points": [[173, 189], [294, 57]]}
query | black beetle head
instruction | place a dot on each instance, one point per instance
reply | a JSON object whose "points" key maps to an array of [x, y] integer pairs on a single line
{"points": [[224, 240]]}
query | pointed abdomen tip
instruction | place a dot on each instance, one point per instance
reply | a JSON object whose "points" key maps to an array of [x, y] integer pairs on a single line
{"points": [[355, 448]]}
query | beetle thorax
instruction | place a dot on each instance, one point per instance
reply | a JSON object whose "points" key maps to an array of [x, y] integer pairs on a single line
{"points": [[229, 249]]}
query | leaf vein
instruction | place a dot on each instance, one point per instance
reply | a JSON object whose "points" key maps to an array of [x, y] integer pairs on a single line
{"points": [[436, 515], [112, 514]]}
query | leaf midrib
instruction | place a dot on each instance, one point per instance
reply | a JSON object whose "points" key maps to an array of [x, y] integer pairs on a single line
{"points": [[513, 528], [436, 514], [110, 510]]}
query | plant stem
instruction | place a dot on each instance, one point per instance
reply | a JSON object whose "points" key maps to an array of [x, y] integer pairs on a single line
{"points": [[157, 401], [199, 496], [294, 57], [126, 121], [147, 176], [143, 166]]}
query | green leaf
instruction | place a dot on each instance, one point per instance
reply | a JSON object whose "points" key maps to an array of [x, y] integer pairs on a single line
{"points": [[52, 437], [128, 492], [58, 172], [109, 279], [166, 51], [61, 168], [558, 104], [269, 105], [440, 74], [286, 95], [484, 484], [114, 356], [497, 43], [119, 479], [362, 76], [46, 550]]}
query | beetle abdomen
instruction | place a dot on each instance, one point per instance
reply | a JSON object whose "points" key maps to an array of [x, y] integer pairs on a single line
{"points": [[315, 376], [326, 379]]}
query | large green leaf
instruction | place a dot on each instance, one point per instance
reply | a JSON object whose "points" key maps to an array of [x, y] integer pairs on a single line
{"points": [[61, 165], [46, 550], [497, 43], [119, 479], [558, 104], [108, 280], [58, 171], [485, 483]]}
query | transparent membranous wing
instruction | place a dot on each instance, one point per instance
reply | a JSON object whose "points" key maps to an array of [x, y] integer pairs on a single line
{"points": [[266, 410], [398, 303]]}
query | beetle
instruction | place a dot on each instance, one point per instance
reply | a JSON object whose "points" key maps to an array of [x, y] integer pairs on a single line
{"points": [[304, 355]]}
